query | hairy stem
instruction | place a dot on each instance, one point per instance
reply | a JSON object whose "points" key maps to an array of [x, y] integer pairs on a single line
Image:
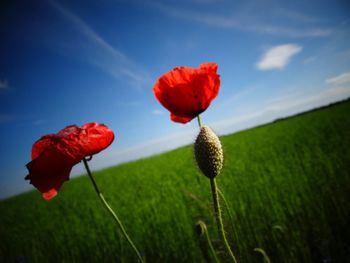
{"points": [[199, 121], [217, 211], [227, 207], [110, 210]]}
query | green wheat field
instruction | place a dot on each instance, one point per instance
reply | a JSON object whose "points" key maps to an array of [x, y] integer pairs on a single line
{"points": [[287, 186]]}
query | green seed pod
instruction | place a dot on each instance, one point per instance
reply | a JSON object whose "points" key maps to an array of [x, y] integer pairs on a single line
{"points": [[208, 152]]}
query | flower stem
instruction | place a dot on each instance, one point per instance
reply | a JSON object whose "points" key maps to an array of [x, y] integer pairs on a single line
{"points": [[263, 253], [227, 208], [219, 222], [201, 229], [199, 121], [211, 247], [110, 210]]}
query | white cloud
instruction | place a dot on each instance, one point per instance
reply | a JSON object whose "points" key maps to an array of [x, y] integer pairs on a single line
{"points": [[4, 84], [278, 57], [340, 79]]}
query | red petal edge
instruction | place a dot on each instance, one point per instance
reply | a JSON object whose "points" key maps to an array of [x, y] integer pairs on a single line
{"points": [[54, 155], [49, 194], [180, 119], [173, 90]]}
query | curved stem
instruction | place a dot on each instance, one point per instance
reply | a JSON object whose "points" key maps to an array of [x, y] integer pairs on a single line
{"points": [[110, 210], [201, 230], [227, 208], [219, 222], [263, 253], [211, 246], [199, 121]]}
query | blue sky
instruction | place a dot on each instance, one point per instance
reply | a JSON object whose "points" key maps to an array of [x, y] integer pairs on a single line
{"points": [[72, 62]]}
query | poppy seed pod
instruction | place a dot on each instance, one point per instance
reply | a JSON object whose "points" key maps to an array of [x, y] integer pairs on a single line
{"points": [[208, 152]]}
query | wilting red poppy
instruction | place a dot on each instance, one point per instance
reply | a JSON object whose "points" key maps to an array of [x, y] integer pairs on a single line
{"points": [[187, 92], [54, 155]]}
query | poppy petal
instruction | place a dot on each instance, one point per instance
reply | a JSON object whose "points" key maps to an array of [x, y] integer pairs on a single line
{"points": [[95, 137], [50, 194], [41, 144], [54, 155], [50, 170], [187, 92], [180, 119], [209, 67]]}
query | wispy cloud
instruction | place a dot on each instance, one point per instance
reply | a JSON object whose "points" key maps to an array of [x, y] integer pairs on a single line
{"points": [[282, 107], [293, 15], [278, 57], [309, 60], [245, 22], [157, 112], [101, 53], [242, 93], [4, 84], [340, 79]]}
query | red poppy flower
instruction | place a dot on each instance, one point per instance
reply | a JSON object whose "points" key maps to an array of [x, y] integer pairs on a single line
{"points": [[54, 155], [187, 92]]}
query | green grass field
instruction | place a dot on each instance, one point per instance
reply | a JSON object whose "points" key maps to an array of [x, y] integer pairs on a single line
{"points": [[287, 185]]}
